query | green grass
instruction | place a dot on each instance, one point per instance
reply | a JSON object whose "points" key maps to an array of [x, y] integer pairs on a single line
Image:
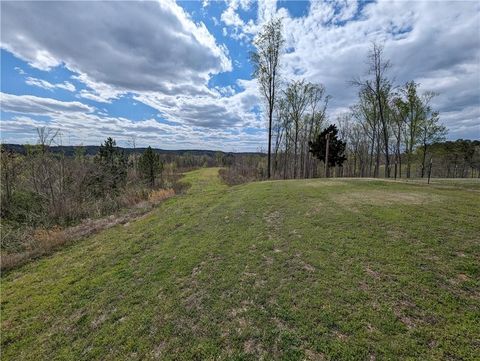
{"points": [[307, 269]]}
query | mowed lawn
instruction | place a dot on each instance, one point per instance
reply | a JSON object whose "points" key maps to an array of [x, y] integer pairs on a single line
{"points": [[285, 270]]}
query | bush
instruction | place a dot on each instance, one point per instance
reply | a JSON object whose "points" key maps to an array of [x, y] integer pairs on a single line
{"points": [[24, 207]]}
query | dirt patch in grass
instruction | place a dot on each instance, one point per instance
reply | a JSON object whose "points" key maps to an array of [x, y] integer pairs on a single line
{"points": [[273, 221], [158, 350], [253, 347], [383, 198], [372, 273], [341, 336], [459, 279], [273, 218], [324, 183], [314, 356]]}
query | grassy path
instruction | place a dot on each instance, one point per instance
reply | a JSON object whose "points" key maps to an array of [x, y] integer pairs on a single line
{"points": [[308, 269]]}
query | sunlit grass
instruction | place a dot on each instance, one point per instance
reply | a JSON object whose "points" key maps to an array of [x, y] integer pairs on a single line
{"points": [[308, 269]]}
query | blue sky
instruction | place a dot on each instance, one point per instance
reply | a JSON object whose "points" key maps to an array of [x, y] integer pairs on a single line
{"points": [[177, 76]]}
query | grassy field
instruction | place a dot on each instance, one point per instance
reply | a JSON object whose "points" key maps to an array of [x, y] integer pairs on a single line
{"points": [[292, 270]]}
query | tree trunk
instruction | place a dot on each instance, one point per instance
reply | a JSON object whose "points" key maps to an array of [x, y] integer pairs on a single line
{"points": [[371, 152], [423, 159], [295, 153], [270, 116], [377, 161]]}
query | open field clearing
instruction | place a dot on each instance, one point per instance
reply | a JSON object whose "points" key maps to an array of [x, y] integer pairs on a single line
{"points": [[293, 270]]}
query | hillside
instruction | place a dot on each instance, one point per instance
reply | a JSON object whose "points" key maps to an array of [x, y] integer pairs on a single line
{"points": [[305, 269], [69, 150]]}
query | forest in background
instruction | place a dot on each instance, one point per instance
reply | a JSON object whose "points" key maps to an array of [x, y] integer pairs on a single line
{"points": [[392, 130]]}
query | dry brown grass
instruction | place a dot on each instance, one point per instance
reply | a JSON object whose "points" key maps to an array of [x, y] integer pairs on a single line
{"points": [[42, 241], [160, 195]]}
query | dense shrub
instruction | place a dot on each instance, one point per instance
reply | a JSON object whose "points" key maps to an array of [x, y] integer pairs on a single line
{"points": [[244, 169], [42, 192]]}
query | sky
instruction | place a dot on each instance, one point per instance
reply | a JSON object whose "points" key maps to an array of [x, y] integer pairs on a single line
{"points": [[176, 75]]}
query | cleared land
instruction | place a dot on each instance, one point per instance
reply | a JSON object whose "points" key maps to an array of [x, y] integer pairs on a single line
{"points": [[308, 269]]}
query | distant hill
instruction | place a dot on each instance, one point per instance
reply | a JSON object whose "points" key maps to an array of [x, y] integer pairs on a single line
{"points": [[69, 150]]}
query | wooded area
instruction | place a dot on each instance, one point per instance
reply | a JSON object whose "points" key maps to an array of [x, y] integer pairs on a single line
{"points": [[391, 131], [42, 189]]}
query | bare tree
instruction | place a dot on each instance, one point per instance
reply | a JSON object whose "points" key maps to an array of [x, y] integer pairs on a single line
{"points": [[379, 88], [431, 130], [367, 115], [413, 121], [297, 96], [317, 117], [9, 172], [279, 130], [399, 111], [265, 60]]}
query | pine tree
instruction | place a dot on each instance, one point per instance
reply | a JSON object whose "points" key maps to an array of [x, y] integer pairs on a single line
{"points": [[150, 165], [336, 148], [112, 164]]}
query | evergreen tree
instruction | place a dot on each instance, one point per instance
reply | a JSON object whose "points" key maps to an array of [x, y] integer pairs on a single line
{"points": [[336, 148], [150, 165], [112, 164]]}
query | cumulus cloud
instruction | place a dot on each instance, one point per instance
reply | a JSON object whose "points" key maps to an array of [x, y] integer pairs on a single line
{"points": [[90, 128], [141, 46], [212, 111], [30, 104], [330, 45], [151, 49], [157, 53], [231, 18], [240, 29]]}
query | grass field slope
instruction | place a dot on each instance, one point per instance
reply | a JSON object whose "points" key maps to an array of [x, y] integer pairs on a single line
{"points": [[286, 270]]}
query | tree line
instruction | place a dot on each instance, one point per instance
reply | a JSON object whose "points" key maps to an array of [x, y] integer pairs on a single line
{"points": [[43, 189], [391, 131]]}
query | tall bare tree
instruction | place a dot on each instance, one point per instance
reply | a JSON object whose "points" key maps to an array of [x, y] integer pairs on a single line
{"points": [[367, 115], [297, 96], [317, 117], [379, 87], [398, 111], [265, 60], [431, 131], [413, 121]]}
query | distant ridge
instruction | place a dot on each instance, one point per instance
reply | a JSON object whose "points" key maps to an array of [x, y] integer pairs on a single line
{"points": [[69, 150]]}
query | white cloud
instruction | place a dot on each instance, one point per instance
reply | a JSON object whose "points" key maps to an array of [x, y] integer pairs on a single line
{"points": [[30, 104], [241, 30], [156, 52], [215, 111], [152, 49], [231, 18], [66, 86], [141, 46], [50, 86], [330, 45], [19, 70], [97, 91], [82, 128]]}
